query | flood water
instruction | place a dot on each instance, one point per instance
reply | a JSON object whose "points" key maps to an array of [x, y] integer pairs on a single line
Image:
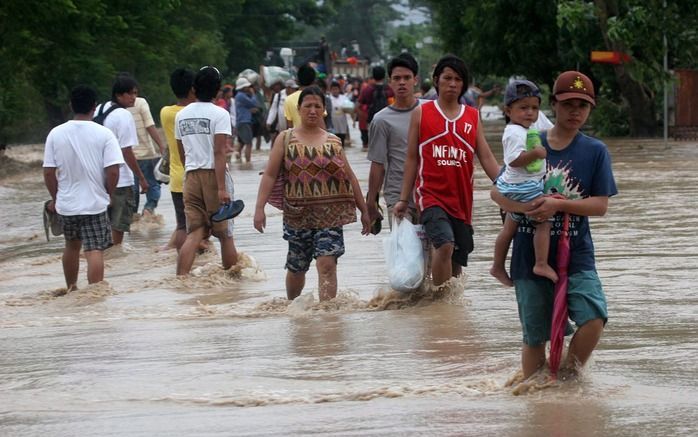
{"points": [[224, 354]]}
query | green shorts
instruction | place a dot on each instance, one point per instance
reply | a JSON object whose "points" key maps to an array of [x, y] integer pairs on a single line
{"points": [[585, 302], [122, 207]]}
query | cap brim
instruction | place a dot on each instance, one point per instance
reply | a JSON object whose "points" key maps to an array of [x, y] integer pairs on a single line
{"points": [[569, 96]]}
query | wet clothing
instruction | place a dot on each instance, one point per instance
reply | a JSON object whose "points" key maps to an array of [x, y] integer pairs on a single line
{"points": [[167, 118], [80, 151], [446, 155], [93, 231], [442, 228], [121, 123], [146, 148], [201, 201], [122, 207], [178, 202], [387, 145], [580, 170], [196, 126], [535, 297], [305, 245], [318, 189]]}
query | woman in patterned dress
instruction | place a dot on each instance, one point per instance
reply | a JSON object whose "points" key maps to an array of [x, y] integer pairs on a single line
{"points": [[321, 194]]}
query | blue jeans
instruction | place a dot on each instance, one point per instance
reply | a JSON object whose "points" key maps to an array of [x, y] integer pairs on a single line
{"points": [[152, 196]]}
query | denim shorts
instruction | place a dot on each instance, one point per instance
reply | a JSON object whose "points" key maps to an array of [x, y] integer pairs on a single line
{"points": [[123, 205], [304, 245], [442, 228], [94, 231], [585, 302]]}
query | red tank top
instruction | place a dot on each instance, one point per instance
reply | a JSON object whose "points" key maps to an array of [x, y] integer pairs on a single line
{"points": [[446, 153]]}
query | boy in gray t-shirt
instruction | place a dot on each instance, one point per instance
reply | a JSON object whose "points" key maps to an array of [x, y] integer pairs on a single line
{"points": [[387, 148]]}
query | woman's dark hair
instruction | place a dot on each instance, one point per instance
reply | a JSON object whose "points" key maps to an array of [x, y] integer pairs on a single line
{"points": [[311, 91], [207, 82], [456, 64], [83, 99], [124, 83]]}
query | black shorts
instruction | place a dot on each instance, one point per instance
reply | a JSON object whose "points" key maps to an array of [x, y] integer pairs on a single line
{"points": [[178, 202], [442, 228]]}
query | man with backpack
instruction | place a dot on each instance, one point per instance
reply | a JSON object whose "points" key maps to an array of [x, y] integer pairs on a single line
{"points": [[113, 115], [373, 98]]}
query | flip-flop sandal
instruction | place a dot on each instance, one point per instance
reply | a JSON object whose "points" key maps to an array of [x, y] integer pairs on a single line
{"points": [[228, 211], [52, 221], [377, 224]]}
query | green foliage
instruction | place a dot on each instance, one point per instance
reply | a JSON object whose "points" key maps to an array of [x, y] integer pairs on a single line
{"points": [[501, 37], [609, 117], [49, 47], [539, 39]]}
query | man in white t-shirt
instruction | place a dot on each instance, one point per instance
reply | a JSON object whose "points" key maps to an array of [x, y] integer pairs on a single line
{"points": [[201, 130], [81, 170], [121, 123]]}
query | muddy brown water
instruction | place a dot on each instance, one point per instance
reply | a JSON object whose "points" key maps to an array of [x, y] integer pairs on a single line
{"points": [[224, 354]]}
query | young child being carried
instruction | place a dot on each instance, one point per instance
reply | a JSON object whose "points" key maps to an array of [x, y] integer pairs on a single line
{"points": [[522, 179]]}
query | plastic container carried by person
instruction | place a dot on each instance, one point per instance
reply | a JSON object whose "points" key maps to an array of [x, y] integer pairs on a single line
{"points": [[404, 256]]}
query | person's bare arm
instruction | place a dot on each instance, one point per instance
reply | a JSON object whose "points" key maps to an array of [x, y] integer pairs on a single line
{"points": [[219, 148], [359, 199], [485, 156], [528, 156], [375, 182], [51, 182], [276, 156], [410, 171], [132, 163], [547, 206], [182, 156], [594, 206], [155, 135], [111, 178]]}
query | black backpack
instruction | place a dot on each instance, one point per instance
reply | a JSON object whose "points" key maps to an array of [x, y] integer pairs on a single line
{"points": [[102, 114], [380, 101]]}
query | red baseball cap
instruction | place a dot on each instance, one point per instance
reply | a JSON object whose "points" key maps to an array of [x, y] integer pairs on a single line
{"points": [[574, 85]]}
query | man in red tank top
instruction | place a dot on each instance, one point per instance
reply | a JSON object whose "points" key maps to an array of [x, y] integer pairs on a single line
{"points": [[443, 140]]}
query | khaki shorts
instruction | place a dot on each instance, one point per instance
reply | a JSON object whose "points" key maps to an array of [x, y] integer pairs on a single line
{"points": [[201, 201]]}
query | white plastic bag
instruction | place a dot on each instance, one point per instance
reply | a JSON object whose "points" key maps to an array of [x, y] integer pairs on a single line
{"points": [[347, 105], [250, 75], [404, 256], [273, 74]]}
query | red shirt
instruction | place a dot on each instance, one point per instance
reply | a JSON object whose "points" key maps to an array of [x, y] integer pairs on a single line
{"points": [[446, 154]]}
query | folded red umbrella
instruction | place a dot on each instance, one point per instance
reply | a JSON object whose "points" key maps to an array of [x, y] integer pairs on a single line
{"points": [[560, 315]]}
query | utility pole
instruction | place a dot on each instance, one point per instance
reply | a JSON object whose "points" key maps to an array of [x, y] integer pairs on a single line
{"points": [[666, 88]]}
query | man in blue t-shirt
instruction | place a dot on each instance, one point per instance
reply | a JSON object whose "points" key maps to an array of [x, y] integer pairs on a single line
{"points": [[579, 169]]}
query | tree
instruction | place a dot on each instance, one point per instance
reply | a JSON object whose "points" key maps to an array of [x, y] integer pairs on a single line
{"points": [[501, 37], [541, 38], [49, 47]]}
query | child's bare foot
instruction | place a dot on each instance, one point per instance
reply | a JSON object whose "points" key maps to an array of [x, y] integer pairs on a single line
{"points": [[502, 276], [545, 271]]}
